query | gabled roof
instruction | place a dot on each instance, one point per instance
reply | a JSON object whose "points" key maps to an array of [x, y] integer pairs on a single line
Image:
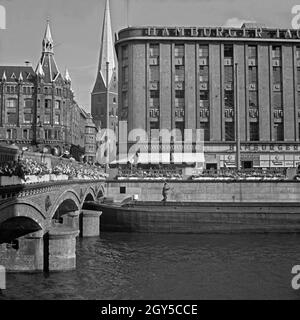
{"points": [[13, 73]]}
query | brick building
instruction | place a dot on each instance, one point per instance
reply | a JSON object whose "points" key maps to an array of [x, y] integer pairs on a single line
{"points": [[38, 110], [184, 78]]}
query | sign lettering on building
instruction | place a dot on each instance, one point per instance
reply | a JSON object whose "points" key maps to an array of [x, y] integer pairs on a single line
{"points": [[258, 33]]}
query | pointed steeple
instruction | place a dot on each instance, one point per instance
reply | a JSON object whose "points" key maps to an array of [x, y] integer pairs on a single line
{"points": [[48, 64], [107, 48], [20, 77], [48, 41], [67, 76], [4, 78], [39, 71]]}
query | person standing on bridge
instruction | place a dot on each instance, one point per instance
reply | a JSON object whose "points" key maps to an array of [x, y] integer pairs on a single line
{"points": [[165, 192]]}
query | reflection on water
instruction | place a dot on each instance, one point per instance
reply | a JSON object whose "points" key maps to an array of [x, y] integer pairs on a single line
{"points": [[143, 266]]}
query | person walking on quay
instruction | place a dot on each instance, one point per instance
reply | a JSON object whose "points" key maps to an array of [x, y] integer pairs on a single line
{"points": [[165, 192]]}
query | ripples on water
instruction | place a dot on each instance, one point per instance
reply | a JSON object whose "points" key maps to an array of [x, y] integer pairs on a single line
{"points": [[156, 266]]}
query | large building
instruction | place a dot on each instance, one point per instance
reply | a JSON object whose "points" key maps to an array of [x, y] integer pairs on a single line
{"points": [[38, 110], [184, 78], [104, 96]]}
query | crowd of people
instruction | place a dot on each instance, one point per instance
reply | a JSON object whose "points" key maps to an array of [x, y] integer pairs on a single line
{"points": [[26, 168], [149, 175], [75, 170], [246, 174]]}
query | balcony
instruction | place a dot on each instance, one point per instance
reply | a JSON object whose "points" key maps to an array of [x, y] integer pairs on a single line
{"points": [[228, 61], [276, 62], [252, 62], [179, 61], [203, 86], [154, 85], [203, 61], [154, 61], [179, 85]]}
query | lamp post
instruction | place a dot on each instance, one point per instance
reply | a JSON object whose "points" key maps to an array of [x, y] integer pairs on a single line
{"points": [[107, 112], [237, 120]]}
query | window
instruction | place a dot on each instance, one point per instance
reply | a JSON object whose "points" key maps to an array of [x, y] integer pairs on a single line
{"points": [[179, 98], [228, 74], [252, 52], [154, 73], [203, 51], [47, 119], [27, 134], [57, 119], [276, 75], [179, 130], [154, 98], [56, 135], [154, 126], [125, 74], [125, 52], [203, 73], [179, 73], [229, 131], [28, 118], [252, 74], [125, 99], [278, 132], [57, 105], [11, 134], [114, 100], [179, 50], [48, 103], [254, 131], [204, 99], [229, 99], [47, 134], [28, 103], [228, 51], [154, 50], [253, 99], [11, 89], [277, 100], [205, 127], [11, 111], [276, 52], [11, 103]]}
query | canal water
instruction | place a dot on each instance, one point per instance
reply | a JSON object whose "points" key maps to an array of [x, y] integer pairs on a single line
{"points": [[170, 266]]}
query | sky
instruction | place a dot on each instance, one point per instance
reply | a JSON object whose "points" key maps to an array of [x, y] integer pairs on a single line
{"points": [[77, 25]]}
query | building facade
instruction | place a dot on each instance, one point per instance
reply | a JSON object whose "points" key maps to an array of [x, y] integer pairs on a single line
{"points": [[206, 78], [38, 110]]}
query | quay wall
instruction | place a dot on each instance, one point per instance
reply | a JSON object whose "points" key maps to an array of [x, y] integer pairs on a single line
{"points": [[238, 191]]}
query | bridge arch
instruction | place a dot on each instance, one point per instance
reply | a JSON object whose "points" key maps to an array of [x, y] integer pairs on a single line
{"points": [[101, 192], [22, 209], [69, 200]]}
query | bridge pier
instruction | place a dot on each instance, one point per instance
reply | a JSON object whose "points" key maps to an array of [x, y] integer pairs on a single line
{"points": [[61, 245], [25, 254], [90, 223], [71, 220]]}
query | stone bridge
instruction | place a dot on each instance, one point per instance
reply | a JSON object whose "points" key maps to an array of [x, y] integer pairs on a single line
{"points": [[39, 223]]}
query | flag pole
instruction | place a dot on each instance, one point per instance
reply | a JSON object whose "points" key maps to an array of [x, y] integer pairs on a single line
{"points": [[237, 121]]}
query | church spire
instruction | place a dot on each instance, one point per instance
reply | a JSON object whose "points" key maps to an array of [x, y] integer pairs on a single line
{"points": [[107, 48], [48, 41], [48, 69]]}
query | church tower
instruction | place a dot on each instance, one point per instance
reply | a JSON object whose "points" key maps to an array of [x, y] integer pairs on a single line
{"points": [[106, 79]]}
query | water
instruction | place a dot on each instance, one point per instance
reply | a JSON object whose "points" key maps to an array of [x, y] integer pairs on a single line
{"points": [[170, 266]]}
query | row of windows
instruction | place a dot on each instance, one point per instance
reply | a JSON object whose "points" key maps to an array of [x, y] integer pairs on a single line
{"points": [[229, 130], [28, 103]]}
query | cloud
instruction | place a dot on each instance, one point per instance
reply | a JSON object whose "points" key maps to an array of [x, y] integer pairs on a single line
{"points": [[234, 22]]}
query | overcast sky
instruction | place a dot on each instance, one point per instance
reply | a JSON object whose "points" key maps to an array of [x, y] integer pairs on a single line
{"points": [[76, 27]]}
